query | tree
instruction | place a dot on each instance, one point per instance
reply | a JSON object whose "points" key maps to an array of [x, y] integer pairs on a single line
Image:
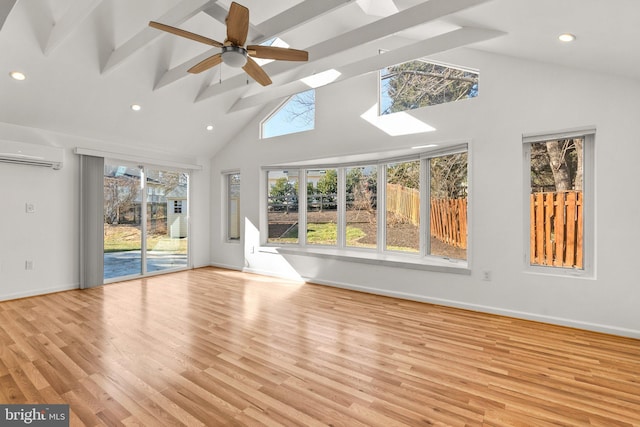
{"points": [[310, 188], [120, 194], [284, 194], [416, 84], [557, 165], [282, 187], [328, 184], [406, 174], [449, 176], [302, 107], [361, 189]]}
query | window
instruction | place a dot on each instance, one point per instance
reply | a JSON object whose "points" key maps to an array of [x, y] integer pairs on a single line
{"points": [[448, 205], [233, 206], [297, 114], [361, 206], [558, 203], [177, 206], [403, 206], [419, 83], [322, 206], [282, 206], [342, 209]]}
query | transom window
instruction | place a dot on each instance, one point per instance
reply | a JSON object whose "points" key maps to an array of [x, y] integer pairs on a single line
{"points": [[421, 83]]}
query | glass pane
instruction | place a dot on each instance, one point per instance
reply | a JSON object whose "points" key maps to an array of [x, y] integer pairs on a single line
{"points": [[233, 214], [403, 206], [122, 221], [449, 206], [361, 206], [419, 83], [167, 219], [322, 207], [282, 207], [298, 114], [556, 203]]}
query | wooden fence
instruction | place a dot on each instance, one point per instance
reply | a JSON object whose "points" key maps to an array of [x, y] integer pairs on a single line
{"points": [[448, 216], [556, 223], [556, 229], [449, 221], [404, 202]]}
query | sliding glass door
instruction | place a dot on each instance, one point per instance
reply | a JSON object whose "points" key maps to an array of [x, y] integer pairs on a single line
{"points": [[145, 220], [166, 236]]}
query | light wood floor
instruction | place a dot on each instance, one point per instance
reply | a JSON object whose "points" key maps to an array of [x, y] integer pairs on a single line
{"points": [[216, 347]]}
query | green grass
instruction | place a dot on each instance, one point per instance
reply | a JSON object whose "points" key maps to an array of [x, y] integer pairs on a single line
{"points": [[127, 238], [326, 234], [321, 234]]}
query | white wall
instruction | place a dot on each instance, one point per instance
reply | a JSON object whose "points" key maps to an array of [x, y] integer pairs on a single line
{"points": [[516, 97], [50, 236]]}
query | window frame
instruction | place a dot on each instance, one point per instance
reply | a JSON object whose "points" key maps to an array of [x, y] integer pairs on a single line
{"points": [[588, 206], [227, 207], [380, 254]]}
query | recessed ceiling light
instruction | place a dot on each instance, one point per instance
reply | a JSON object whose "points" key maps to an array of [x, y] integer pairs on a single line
{"points": [[209, 127], [566, 37], [17, 75], [136, 107]]}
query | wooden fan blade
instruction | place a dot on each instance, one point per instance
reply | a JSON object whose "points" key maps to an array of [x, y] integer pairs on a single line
{"points": [[237, 24], [186, 34], [271, 52], [204, 65], [256, 72]]}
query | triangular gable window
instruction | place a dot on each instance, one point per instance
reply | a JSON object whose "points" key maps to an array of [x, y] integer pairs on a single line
{"points": [[297, 114]]}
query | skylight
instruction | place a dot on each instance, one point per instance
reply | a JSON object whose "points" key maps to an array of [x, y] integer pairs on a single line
{"points": [[396, 124]]}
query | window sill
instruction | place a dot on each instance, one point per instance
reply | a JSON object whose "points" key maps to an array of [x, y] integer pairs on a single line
{"points": [[440, 265]]}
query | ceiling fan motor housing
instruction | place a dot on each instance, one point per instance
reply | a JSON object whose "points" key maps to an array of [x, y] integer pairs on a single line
{"points": [[234, 56]]}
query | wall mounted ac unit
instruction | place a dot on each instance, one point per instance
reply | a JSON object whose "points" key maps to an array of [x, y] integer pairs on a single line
{"points": [[31, 154]]}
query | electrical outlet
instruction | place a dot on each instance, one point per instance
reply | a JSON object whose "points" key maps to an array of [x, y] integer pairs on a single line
{"points": [[486, 275], [28, 265]]}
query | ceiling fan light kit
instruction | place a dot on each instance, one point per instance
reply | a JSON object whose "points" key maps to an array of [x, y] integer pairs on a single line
{"points": [[233, 50], [234, 56]]}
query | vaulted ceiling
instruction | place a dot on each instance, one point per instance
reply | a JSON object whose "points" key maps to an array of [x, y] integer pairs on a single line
{"points": [[88, 61]]}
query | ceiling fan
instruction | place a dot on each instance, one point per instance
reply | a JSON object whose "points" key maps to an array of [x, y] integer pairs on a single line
{"points": [[233, 51]]}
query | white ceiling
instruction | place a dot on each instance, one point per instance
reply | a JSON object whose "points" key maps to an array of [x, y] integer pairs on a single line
{"points": [[87, 61]]}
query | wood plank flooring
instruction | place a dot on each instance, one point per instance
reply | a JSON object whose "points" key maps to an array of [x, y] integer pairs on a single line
{"points": [[213, 347]]}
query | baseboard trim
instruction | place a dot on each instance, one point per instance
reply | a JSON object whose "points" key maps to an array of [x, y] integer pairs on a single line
{"points": [[38, 292], [227, 266]]}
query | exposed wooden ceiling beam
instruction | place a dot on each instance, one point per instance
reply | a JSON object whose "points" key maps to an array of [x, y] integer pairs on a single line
{"points": [[408, 18], [76, 13], [451, 40], [175, 16], [285, 21]]}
